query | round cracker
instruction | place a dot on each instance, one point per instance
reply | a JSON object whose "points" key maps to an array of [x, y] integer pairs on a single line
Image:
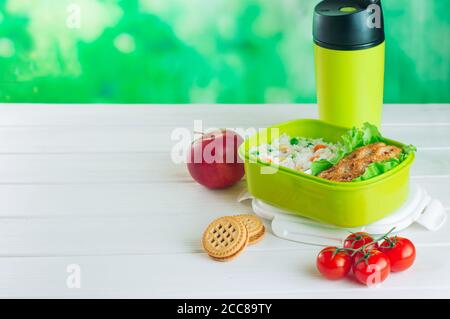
{"points": [[254, 225], [225, 238]]}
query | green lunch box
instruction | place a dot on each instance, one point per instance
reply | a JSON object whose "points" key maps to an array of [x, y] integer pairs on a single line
{"points": [[344, 204]]}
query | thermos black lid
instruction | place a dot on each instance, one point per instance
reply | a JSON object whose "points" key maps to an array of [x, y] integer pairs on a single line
{"points": [[348, 24]]}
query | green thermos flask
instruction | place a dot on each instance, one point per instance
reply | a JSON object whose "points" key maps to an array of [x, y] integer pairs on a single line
{"points": [[349, 61]]}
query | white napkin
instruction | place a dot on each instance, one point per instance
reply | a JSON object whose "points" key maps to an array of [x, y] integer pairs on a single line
{"points": [[419, 208]]}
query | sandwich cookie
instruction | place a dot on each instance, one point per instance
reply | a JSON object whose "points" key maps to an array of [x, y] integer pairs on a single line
{"points": [[254, 225], [225, 238]]}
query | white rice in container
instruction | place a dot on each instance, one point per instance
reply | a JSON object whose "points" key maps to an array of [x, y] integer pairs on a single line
{"points": [[294, 152]]}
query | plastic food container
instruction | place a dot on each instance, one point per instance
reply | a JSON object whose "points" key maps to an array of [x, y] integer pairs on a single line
{"points": [[344, 204]]}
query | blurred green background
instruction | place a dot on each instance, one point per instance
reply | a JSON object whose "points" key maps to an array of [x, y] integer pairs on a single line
{"points": [[201, 51]]}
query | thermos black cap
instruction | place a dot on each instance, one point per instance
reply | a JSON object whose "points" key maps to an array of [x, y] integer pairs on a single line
{"points": [[348, 24]]}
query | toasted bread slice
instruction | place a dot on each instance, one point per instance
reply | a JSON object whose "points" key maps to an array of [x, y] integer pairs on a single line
{"points": [[355, 164]]}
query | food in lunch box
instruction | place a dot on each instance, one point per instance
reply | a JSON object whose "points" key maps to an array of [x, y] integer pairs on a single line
{"points": [[213, 161], [226, 237], [255, 227], [361, 154], [355, 164], [371, 262], [294, 152]]}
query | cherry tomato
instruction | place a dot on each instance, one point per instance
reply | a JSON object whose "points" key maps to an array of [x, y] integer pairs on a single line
{"points": [[357, 240], [371, 267], [400, 251], [333, 263]]}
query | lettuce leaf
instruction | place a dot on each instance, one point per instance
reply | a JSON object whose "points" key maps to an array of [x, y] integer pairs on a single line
{"points": [[354, 139], [319, 166], [371, 134], [378, 168], [408, 149], [350, 141]]}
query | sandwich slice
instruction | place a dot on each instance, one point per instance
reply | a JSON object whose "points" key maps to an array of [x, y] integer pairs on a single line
{"points": [[361, 154], [355, 164]]}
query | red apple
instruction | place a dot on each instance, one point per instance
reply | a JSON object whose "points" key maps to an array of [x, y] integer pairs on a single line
{"points": [[213, 159]]}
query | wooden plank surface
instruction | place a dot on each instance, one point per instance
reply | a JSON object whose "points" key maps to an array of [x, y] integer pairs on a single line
{"points": [[141, 168], [256, 274], [138, 199], [157, 233], [94, 185], [175, 115], [145, 139]]}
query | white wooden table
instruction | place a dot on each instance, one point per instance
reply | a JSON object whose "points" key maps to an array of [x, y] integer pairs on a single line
{"points": [[93, 187]]}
